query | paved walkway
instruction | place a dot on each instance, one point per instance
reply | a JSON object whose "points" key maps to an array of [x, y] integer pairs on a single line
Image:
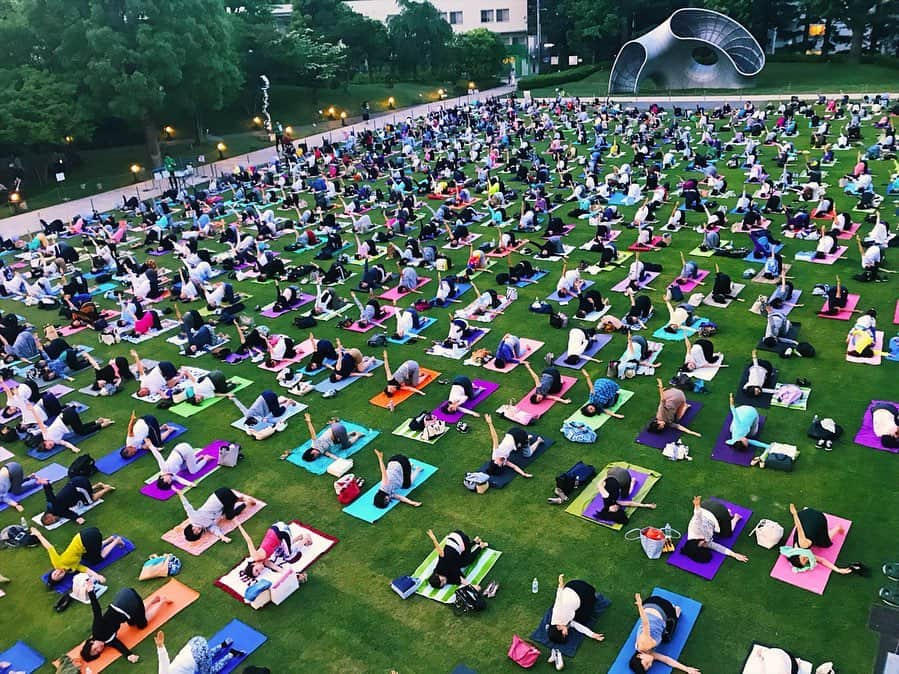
{"points": [[29, 221]]}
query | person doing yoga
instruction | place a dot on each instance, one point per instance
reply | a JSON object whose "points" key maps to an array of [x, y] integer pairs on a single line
{"points": [[126, 607], [672, 408], [453, 557], [87, 547], [615, 489], [573, 606], [658, 622], [407, 377], [278, 545], [222, 504], [183, 457], [514, 440], [812, 530], [604, 394], [398, 473], [744, 427], [710, 519], [547, 386]]}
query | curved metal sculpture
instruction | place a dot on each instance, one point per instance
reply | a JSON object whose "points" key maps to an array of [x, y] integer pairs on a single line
{"points": [[694, 48]]}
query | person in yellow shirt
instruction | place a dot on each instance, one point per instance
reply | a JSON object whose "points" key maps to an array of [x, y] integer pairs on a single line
{"points": [[87, 547]]}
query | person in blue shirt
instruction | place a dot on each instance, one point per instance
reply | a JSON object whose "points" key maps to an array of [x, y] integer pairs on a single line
{"points": [[604, 394], [744, 426]]}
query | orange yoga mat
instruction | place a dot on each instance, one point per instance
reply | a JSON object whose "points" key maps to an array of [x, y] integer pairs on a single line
{"points": [[181, 597], [381, 400]]}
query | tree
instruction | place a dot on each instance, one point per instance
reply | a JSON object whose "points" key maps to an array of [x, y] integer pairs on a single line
{"points": [[140, 59], [479, 53], [365, 39], [419, 37], [36, 108], [308, 59], [857, 15]]}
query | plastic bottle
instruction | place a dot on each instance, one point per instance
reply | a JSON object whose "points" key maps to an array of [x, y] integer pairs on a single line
{"points": [[24, 523], [535, 586]]}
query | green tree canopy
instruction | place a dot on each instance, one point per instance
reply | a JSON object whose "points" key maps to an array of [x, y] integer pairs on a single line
{"points": [[419, 37], [478, 54], [365, 39]]}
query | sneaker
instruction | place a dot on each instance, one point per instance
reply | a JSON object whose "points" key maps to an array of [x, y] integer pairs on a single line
{"points": [[329, 393], [280, 426], [891, 570], [828, 445], [560, 663], [820, 443], [561, 494], [553, 654], [555, 500]]}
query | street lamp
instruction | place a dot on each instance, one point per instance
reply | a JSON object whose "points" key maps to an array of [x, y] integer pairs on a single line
{"points": [[343, 118], [135, 169], [391, 103], [70, 140], [331, 112], [221, 147], [289, 130], [257, 121], [169, 132]]}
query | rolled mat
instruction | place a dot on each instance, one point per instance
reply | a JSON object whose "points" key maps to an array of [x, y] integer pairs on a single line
{"points": [[708, 570]]}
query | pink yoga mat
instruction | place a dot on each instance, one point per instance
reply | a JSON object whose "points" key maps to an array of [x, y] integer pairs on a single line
{"points": [[849, 233], [896, 314], [876, 359], [845, 313], [211, 450], [389, 312], [536, 410], [395, 294], [303, 349], [828, 259], [638, 248], [621, 286], [528, 347], [816, 579], [693, 283]]}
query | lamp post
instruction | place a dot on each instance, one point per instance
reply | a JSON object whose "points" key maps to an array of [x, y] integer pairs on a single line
{"points": [[343, 118], [15, 199], [135, 169], [169, 132], [257, 121], [391, 103], [221, 147]]}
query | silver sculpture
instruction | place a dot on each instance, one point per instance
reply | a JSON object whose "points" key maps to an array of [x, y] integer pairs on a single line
{"points": [[693, 48]]}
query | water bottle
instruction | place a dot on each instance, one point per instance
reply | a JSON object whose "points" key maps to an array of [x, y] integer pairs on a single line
{"points": [[24, 523], [815, 419], [535, 586]]}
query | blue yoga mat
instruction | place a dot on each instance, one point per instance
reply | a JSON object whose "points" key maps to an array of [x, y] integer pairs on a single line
{"points": [[575, 638], [364, 507], [22, 657], [53, 472], [245, 639], [689, 613], [536, 277], [682, 332], [114, 462], [320, 465], [328, 385], [65, 584], [426, 323], [320, 370]]}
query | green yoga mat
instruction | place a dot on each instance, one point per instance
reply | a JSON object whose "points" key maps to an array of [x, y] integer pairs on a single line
{"points": [[404, 431], [597, 421], [801, 404], [706, 253], [588, 493], [186, 409], [475, 574]]}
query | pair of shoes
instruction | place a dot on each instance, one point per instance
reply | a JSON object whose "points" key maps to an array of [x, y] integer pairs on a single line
{"points": [[280, 426], [891, 570], [329, 393], [555, 657], [63, 603], [860, 569], [756, 460], [491, 589], [561, 494], [555, 500]]}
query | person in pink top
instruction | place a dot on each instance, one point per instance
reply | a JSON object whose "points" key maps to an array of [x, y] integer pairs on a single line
{"points": [[278, 545]]}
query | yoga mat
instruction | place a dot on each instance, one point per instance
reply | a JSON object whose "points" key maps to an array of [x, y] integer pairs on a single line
{"points": [[302, 350], [759, 278], [556, 297], [575, 638], [669, 434], [735, 290], [78, 510], [5, 454], [22, 657], [692, 284], [117, 553], [764, 400], [642, 480], [181, 597], [187, 410], [461, 289], [364, 508], [896, 314], [689, 613], [60, 390], [469, 313], [42, 455], [809, 256], [475, 572], [756, 652], [597, 343], [597, 421], [289, 412], [320, 465], [269, 312], [594, 316], [845, 313], [245, 638], [395, 294], [876, 359], [166, 323], [801, 404], [816, 579], [709, 570], [711, 251], [635, 247], [683, 331], [113, 462], [729, 453], [53, 472], [404, 431], [538, 409], [520, 460], [538, 274], [328, 385], [483, 390], [426, 322], [388, 312], [866, 436], [622, 285], [401, 396], [211, 450], [175, 536], [780, 347], [528, 348]]}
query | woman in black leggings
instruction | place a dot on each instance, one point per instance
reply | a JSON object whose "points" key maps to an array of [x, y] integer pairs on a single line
{"points": [[126, 607]]}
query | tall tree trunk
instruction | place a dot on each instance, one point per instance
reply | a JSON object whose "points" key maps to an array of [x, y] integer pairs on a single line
{"points": [[855, 45], [826, 44], [151, 143]]}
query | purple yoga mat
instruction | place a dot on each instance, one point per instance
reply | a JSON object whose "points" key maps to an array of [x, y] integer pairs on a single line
{"points": [[211, 449], [670, 434], [483, 389], [595, 506], [727, 453], [304, 299], [866, 437], [234, 358], [708, 571], [599, 341], [622, 285]]}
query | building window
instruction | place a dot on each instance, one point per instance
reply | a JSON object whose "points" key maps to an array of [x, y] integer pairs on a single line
{"points": [[455, 18], [502, 15], [486, 16]]}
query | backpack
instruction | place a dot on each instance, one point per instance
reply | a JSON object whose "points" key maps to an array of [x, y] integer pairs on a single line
{"points": [[681, 380], [575, 477], [708, 329], [468, 600], [348, 488], [109, 336], [83, 466], [304, 322], [377, 340], [417, 423], [558, 320], [17, 536], [577, 431], [805, 350]]}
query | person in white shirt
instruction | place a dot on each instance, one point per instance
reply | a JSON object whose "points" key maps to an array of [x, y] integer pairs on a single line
{"points": [[183, 457], [710, 519], [222, 504], [197, 656], [574, 605], [885, 420]]}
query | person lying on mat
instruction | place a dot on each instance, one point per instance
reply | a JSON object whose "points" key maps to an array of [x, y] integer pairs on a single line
{"points": [[110, 377], [782, 293], [267, 407], [126, 607], [350, 363], [603, 395], [406, 377], [744, 427], [14, 482], [368, 312], [701, 354], [183, 457], [278, 545], [590, 300], [509, 350], [679, 317], [196, 657], [689, 271], [615, 489], [710, 519], [636, 355], [78, 491], [673, 406], [461, 391], [407, 320], [86, 547], [67, 423], [570, 283], [207, 386], [162, 377], [658, 622], [322, 350], [777, 328], [457, 553], [579, 341], [144, 433], [335, 435], [397, 474], [640, 311], [222, 504], [812, 531], [769, 660], [514, 440], [885, 419], [759, 372], [574, 605], [547, 386], [486, 303]]}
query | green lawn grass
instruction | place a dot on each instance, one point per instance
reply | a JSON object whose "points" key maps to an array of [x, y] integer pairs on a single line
{"points": [[777, 78], [347, 619]]}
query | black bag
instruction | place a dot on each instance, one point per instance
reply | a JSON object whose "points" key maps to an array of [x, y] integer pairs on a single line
{"points": [[33, 439], [17, 536], [781, 462], [558, 320], [468, 600], [377, 340], [84, 465], [304, 322], [682, 381], [575, 477], [417, 423], [805, 350]]}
